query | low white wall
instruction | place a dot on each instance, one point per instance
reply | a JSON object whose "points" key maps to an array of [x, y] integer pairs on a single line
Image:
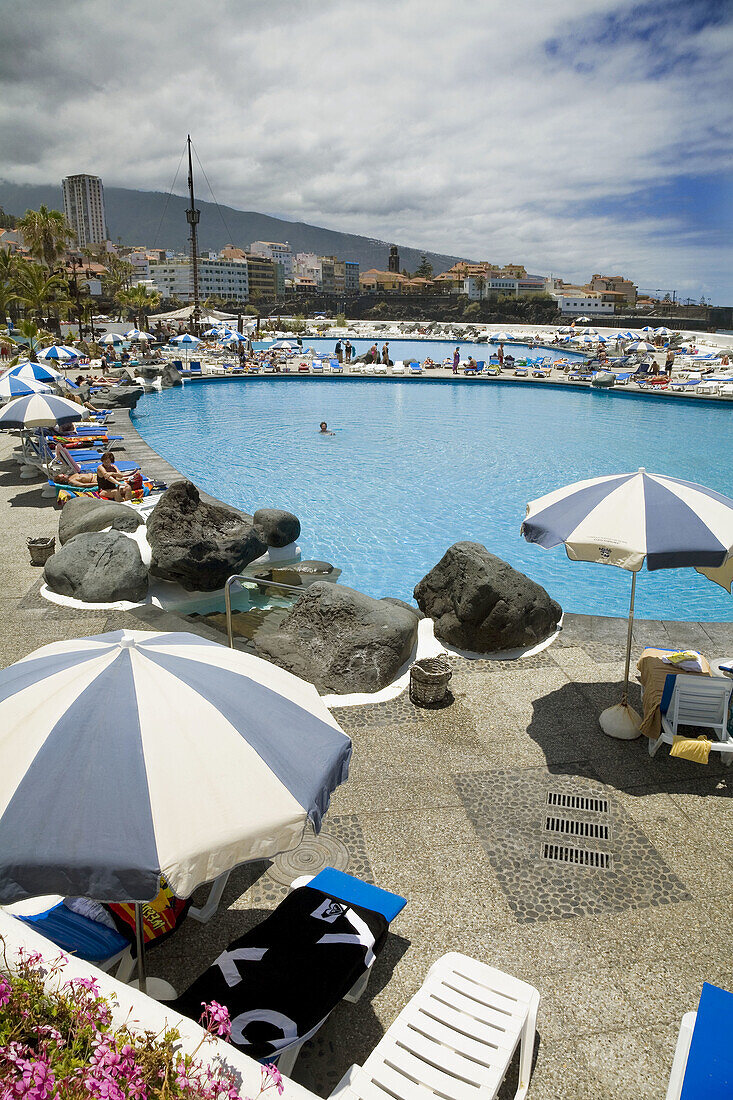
{"points": [[140, 1012]]}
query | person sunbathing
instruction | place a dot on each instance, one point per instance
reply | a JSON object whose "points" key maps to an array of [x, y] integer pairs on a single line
{"points": [[111, 483], [81, 480]]}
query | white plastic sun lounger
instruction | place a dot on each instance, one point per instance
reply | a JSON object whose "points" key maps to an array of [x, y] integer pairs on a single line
{"points": [[698, 701], [399, 367], [454, 1040]]}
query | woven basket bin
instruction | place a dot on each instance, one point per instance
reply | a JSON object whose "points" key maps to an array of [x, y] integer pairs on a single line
{"points": [[429, 680], [41, 550]]}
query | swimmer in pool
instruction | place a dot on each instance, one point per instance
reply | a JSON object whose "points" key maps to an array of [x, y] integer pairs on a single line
{"points": [[324, 429]]}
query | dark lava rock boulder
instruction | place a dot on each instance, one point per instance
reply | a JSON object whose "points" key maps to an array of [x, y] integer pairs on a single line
{"points": [[275, 527], [170, 376], [84, 513], [117, 397], [401, 603], [197, 544], [340, 640], [98, 568], [480, 603]]}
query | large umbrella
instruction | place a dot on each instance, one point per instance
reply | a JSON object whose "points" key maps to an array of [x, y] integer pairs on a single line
{"points": [[112, 338], [185, 340], [59, 352], [133, 754], [501, 337], [12, 385], [138, 334], [41, 411], [623, 519], [581, 321], [36, 372], [662, 331], [641, 345]]}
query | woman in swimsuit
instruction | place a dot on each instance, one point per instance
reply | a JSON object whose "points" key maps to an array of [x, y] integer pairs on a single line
{"points": [[111, 483]]}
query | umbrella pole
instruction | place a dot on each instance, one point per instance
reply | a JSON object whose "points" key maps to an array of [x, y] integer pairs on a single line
{"points": [[140, 941], [625, 698]]}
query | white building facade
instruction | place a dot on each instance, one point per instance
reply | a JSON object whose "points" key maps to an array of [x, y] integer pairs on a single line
{"points": [[84, 209], [227, 278], [577, 303], [280, 252]]}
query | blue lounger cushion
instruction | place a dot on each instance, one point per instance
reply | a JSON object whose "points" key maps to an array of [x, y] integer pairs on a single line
{"points": [[88, 939], [709, 1070], [353, 890]]}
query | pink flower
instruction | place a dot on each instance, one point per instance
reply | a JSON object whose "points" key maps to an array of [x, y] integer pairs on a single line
{"points": [[6, 990], [271, 1075], [215, 1018]]}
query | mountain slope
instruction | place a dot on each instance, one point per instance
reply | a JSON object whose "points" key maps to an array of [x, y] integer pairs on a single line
{"points": [[152, 219]]}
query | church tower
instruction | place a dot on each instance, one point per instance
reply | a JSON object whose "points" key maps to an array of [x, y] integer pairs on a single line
{"points": [[394, 260]]}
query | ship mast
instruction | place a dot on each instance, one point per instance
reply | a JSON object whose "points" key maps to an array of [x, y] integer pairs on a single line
{"points": [[192, 217]]}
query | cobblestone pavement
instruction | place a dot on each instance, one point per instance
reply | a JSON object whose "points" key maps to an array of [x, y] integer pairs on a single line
{"points": [[475, 812]]}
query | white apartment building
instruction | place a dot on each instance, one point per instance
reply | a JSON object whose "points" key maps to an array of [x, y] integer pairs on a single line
{"points": [[84, 209], [227, 278], [280, 252], [579, 303]]}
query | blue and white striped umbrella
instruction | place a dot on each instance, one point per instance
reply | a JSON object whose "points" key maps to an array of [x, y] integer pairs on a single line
{"points": [[641, 345], [40, 410], [235, 338], [501, 337], [216, 332], [133, 754], [623, 519], [186, 338], [662, 331], [589, 338], [37, 372], [112, 338], [59, 352], [12, 385], [138, 334]]}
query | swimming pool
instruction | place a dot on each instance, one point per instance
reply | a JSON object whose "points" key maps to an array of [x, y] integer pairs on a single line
{"points": [[416, 465]]}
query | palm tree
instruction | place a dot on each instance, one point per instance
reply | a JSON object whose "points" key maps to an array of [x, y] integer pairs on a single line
{"points": [[32, 337], [8, 296], [46, 234], [36, 290], [140, 301]]}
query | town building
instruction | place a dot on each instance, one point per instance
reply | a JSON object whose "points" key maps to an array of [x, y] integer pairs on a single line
{"points": [[232, 253], [262, 277], [280, 253], [385, 281], [229, 279], [582, 301], [84, 209], [615, 284], [351, 276]]}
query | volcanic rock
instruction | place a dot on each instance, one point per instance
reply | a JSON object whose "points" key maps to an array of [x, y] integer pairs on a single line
{"points": [[83, 514], [197, 544], [275, 527], [340, 639], [98, 568], [480, 603]]}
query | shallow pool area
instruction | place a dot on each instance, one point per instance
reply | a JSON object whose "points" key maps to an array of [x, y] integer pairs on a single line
{"points": [[437, 350], [417, 464]]}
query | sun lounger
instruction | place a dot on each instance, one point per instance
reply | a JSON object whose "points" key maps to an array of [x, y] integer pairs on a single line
{"points": [[286, 975], [690, 700], [520, 372], [415, 367], [703, 1059], [303, 368], [84, 465], [455, 1039], [317, 366], [398, 367], [381, 368], [336, 367]]}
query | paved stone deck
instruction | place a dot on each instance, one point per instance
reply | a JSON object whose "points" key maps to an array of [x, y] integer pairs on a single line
{"points": [[454, 808]]}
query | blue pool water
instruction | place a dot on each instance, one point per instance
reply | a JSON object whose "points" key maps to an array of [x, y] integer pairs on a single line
{"points": [[417, 465]]}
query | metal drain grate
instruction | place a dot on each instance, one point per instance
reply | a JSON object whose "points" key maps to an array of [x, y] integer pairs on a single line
{"points": [[578, 857], [577, 802], [595, 830]]}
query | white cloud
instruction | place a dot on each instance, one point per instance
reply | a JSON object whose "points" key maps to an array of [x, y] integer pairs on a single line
{"points": [[452, 124]]}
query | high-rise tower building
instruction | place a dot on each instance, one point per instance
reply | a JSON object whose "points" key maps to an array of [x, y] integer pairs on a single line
{"points": [[84, 209]]}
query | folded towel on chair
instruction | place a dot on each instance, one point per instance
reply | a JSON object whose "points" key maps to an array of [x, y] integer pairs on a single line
{"points": [[696, 749]]}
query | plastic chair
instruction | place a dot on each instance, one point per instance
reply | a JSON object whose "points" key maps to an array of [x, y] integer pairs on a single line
{"points": [[454, 1039], [703, 1059], [696, 701]]}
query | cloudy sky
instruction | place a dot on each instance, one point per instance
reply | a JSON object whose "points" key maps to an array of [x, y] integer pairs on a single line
{"points": [[573, 136]]}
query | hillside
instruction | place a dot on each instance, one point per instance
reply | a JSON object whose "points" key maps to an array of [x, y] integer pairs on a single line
{"points": [[135, 217]]}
